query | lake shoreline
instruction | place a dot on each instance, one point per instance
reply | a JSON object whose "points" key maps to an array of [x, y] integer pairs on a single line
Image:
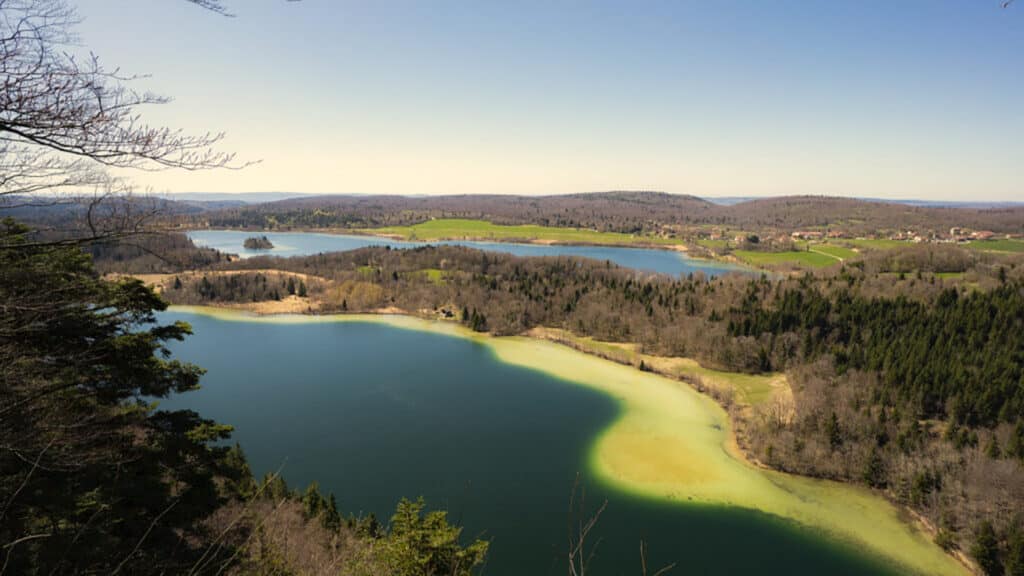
{"points": [[605, 464], [705, 256], [674, 247]]}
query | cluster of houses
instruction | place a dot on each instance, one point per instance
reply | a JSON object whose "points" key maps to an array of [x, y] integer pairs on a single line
{"points": [[964, 235], [817, 234], [956, 235]]}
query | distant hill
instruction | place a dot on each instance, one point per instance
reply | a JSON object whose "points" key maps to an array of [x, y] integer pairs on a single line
{"points": [[227, 199], [733, 200], [950, 203], [55, 210], [620, 211], [858, 216]]}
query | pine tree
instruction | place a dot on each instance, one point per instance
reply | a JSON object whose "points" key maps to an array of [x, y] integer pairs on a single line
{"points": [[240, 482], [992, 450], [834, 432], [109, 466], [985, 549], [331, 518], [1015, 552], [277, 489], [874, 471], [312, 501], [764, 363], [1015, 447]]}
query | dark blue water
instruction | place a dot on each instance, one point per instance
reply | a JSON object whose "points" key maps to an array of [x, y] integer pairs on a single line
{"points": [[375, 413], [306, 243]]}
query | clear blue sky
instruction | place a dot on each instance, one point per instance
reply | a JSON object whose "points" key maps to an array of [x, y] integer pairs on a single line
{"points": [[887, 98]]}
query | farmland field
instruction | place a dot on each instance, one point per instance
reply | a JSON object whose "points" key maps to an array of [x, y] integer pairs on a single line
{"points": [[457, 229], [801, 258]]}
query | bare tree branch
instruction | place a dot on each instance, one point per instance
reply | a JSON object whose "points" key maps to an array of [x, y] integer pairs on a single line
{"points": [[65, 119]]}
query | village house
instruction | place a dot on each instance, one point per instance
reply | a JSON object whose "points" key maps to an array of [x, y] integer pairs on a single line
{"points": [[807, 235]]}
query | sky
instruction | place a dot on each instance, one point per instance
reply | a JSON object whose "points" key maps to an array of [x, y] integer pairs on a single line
{"points": [[871, 98]]}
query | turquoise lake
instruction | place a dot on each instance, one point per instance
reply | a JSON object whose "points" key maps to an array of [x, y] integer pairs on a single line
{"points": [[306, 243], [374, 413]]}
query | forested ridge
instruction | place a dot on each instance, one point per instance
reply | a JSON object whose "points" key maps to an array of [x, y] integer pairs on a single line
{"points": [[619, 211]]}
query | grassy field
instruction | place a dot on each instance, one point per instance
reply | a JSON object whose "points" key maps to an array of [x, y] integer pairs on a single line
{"points": [[709, 243], [802, 258], [752, 389], [839, 252], [1005, 245], [457, 229], [876, 244], [433, 274]]}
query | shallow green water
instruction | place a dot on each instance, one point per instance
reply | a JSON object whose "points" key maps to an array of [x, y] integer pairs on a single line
{"points": [[375, 412]]}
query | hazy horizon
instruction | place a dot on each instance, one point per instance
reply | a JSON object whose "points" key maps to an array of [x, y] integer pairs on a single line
{"points": [[276, 195], [909, 100]]}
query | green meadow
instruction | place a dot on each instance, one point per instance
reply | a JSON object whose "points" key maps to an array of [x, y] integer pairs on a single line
{"points": [[435, 275], [838, 252], [876, 243], [800, 258], [752, 389], [709, 243], [460, 229], [1004, 245]]}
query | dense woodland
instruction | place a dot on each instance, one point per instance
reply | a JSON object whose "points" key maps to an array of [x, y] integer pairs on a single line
{"points": [[152, 253], [904, 380], [959, 356], [627, 212]]}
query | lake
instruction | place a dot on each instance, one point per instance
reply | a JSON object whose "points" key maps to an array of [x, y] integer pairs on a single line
{"points": [[375, 412], [305, 243]]}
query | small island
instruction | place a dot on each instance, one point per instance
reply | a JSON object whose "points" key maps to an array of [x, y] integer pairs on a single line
{"points": [[258, 243]]}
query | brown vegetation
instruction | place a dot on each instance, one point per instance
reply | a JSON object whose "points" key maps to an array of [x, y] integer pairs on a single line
{"points": [[627, 212]]}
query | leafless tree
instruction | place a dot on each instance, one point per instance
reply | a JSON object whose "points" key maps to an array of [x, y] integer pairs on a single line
{"points": [[581, 523], [65, 119]]}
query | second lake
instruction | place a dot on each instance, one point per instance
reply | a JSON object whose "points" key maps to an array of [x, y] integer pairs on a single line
{"points": [[287, 244]]}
